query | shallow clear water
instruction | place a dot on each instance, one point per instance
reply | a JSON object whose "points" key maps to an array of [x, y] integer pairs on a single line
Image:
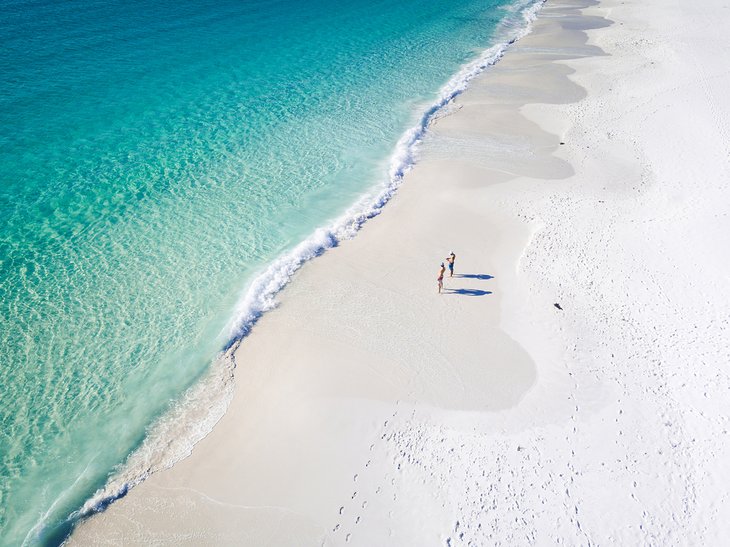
{"points": [[154, 158]]}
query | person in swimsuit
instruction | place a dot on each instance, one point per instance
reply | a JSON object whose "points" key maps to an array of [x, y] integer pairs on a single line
{"points": [[451, 259], [440, 278]]}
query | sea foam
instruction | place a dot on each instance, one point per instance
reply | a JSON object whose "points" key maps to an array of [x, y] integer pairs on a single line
{"points": [[173, 436]]}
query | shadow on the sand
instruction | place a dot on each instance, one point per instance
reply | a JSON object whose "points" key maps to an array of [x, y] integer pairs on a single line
{"points": [[475, 276], [468, 292]]}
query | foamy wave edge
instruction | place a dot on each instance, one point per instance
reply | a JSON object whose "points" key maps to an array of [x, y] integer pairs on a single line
{"points": [[172, 437]]}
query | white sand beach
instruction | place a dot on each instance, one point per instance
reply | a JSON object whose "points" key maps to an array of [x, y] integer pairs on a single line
{"points": [[590, 168]]}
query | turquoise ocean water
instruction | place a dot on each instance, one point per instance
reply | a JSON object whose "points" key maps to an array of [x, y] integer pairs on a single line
{"points": [[158, 157]]}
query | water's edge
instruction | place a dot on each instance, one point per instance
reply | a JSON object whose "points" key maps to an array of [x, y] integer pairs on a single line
{"points": [[172, 437]]}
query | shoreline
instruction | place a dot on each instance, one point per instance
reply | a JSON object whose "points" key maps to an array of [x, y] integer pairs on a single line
{"points": [[393, 415], [161, 449]]}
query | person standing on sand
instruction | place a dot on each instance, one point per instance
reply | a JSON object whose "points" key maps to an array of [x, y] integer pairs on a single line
{"points": [[451, 259], [440, 278]]}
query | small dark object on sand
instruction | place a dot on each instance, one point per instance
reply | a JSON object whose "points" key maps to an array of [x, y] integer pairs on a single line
{"points": [[562, 143], [558, 306]]}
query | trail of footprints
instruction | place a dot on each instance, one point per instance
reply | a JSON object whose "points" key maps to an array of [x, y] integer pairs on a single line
{"points": [[491, 501], [497, 494], [352, 513]]}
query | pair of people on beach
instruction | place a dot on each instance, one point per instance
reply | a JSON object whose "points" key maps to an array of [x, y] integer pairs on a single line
{"points": [[450, 261]]}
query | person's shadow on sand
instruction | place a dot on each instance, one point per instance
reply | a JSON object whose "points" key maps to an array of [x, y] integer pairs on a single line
{"points": [[468, 292], [471, 292]]}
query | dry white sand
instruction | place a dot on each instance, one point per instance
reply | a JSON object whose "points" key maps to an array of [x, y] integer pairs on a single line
{"points": [[370, 410]]}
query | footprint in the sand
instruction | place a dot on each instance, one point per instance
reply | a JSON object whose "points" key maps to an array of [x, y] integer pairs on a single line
{"points": [[387, 432]]}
